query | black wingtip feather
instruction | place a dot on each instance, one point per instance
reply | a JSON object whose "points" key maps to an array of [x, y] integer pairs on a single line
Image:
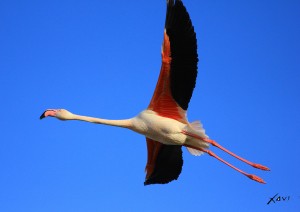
{"points": [[168, 165], [184, 54]]}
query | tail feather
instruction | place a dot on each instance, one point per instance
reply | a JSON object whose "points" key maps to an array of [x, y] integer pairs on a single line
{"points": [[198, 129], [194, 151]]}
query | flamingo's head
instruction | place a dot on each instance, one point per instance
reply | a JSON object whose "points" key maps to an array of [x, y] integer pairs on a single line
{"points": [[60, 114]]}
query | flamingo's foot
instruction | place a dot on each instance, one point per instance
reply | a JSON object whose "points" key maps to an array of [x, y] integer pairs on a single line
{"points": [[258, 166], [256, 178]]}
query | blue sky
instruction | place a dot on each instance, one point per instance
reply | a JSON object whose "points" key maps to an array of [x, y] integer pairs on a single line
{"points": [[103, 59]]}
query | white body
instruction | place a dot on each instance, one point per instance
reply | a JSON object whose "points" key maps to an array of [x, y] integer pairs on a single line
{"points": [[168, 131]]}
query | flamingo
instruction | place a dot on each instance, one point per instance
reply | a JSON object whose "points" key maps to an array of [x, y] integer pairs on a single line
{"points": [[164, 123]]}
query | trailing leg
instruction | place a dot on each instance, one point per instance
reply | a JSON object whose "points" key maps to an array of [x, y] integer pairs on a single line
{"points": [[251, 176], [212, 142]]}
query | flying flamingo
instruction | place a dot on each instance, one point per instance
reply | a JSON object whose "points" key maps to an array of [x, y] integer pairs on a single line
{"points": [[164, 122]]}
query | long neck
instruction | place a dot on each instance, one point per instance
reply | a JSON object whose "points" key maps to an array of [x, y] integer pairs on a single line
{"points": [[126, 123]]}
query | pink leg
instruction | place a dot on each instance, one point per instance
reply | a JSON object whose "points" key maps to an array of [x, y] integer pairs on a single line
{"points": [[251, 176], [212, 142]]}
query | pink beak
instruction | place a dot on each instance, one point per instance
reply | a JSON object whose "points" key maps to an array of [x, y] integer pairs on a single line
{"points": [[49, 112]]}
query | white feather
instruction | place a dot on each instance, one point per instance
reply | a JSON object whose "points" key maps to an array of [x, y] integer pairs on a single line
{"points": [[199, 130]]}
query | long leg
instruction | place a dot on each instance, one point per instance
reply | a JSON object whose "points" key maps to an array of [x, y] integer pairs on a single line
{"points": [[212, 142], [251, 176]]}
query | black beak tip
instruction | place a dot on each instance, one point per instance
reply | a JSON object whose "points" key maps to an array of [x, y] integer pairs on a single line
{"points": [[42, 116]]}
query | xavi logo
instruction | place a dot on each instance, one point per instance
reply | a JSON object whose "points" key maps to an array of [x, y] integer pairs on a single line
{"points": [[278, 199]]}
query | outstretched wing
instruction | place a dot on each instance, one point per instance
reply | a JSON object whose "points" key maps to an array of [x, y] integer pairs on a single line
{"points": [[173, 91], [164, 163]]}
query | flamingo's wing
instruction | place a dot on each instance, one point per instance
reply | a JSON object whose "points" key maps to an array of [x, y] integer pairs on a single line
{"points": [[174, 89], [164, 163]]}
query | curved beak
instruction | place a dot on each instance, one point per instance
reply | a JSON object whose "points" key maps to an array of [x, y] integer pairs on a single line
{"points": [[49, 112]]}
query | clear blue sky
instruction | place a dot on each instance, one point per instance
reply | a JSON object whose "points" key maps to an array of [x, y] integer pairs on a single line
{"points": [[102, 58]]}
